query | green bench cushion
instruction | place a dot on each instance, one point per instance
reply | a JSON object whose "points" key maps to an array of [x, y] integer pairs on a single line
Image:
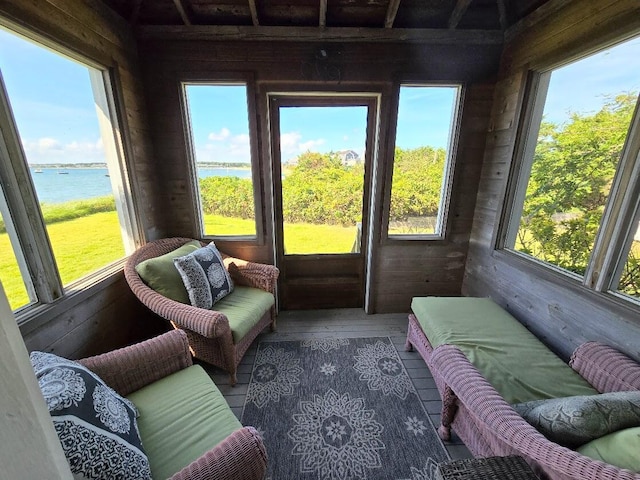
{"points": [[518, 365], [181, 417], [244, 307]]}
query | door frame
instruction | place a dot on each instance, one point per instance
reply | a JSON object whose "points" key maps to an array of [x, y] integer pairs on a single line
{"points": [[324, 269]]}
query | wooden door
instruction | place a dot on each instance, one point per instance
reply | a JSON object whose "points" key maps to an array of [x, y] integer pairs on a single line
{"points": [[322, 148]]}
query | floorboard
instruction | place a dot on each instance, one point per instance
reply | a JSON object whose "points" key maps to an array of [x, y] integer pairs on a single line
{"points": [[341, 323]]}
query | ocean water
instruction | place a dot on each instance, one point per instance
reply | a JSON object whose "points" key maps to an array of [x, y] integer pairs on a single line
{"points": [[57, 185]]}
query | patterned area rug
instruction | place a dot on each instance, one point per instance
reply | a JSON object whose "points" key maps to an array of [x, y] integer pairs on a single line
{"points": [[338, 409]]}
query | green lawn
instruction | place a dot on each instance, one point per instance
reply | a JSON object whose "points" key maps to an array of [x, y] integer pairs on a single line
{"points": [[80, 246], [84, 245]]}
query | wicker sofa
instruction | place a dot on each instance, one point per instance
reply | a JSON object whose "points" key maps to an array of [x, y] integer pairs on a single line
{"points": [[480, 415], [187, 429]]}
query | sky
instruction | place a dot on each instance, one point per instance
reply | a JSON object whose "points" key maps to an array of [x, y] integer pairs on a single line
{"points": [[53, 106]]}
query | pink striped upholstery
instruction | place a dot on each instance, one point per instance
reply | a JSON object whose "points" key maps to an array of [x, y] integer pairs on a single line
{"points": [[208, 331], [240, 456], [490, 427]]}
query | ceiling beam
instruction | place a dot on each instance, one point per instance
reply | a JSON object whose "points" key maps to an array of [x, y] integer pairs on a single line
{"points": [[135, 12], [254, 13], [182, 11], [392, 11], [458, 11], [322, 21], [328, 34], [502, 14]]}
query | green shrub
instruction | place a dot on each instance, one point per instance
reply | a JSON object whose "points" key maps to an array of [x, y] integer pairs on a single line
{"points": [[227, 196]]}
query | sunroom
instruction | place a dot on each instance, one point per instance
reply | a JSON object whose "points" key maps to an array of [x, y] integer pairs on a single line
{"points": [[373, 151]]}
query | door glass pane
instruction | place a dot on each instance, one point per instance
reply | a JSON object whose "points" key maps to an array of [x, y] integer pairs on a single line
{"points": [[421, 159], [322, 150], [629, 283], [219, 120], [586, 116], [53, 103]]}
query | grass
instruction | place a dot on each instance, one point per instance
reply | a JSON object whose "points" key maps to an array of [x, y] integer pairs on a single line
{"points": [[84, 245], [81, 246]]}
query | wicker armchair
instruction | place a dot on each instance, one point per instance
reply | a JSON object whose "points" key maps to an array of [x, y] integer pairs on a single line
{"points": [[241, 455], [210, 336]]}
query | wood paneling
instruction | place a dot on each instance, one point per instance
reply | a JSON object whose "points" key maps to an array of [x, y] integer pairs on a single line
{"points": [[366, 68], [559, 310], [404, 269], [105, 317]]}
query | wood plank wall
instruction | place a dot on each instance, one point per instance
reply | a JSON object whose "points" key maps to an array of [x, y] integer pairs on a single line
{"points": [[400, 270], [102, 317], [561, 312]]}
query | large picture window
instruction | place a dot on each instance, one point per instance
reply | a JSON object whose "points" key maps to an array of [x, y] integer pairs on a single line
{"points": [[66, 210], [218, 120], [578, 148], [422, 160]]}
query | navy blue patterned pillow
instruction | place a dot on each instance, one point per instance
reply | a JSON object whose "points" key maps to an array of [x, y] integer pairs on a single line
{"points": [[96, 427], [204, 276]]}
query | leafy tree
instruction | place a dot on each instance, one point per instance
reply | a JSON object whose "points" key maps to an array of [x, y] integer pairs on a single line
{"points": [[573, 168]]}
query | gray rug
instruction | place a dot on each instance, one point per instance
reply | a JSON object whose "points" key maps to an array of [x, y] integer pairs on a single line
{"points": [[338, 409]]}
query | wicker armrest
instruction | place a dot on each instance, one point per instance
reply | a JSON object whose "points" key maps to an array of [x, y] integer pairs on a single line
{"points": [[131, 368], [251, 274], [241, 456], [605, 368], [493, 414]]}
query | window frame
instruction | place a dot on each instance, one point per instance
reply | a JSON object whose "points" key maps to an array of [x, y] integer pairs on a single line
{"points": [[20, 207], [622, 209], [443, 219], [234, 79]]}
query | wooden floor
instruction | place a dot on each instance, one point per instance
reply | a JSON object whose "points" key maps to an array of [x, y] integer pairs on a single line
{"points": [[346, 323]]}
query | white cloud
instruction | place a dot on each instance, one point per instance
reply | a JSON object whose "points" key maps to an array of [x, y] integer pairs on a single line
{"points": [[51, 150], [223, 146], [291, 145], [311, 144], [224, 134]]}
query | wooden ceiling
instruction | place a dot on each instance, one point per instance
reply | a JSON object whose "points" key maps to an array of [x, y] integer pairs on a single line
{"points": [[487, 15]]}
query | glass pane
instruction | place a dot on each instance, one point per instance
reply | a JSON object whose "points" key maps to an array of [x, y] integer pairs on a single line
{"points": [[322, 150], [425, 124], [585, 121], [53, 105], [219, 121], [629, 283], [10, 274]]}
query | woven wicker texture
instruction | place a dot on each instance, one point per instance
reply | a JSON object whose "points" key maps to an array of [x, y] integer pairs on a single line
{"points": [[491, 468], [490, 427], [241, 456], [208, 331]]}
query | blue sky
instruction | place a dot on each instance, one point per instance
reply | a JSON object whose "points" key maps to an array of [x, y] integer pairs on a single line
{"points": [[53, 105]]}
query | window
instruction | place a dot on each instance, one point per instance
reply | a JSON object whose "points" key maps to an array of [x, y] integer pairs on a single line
{"points": [[66, 205], [579, 149], [218, 120], [422, 160]]}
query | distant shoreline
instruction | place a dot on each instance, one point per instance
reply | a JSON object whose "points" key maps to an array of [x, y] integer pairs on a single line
{"points": [[68, 166]]}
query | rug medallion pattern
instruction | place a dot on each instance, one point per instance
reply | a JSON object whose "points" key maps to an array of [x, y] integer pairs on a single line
{"points": [[340, 409]]}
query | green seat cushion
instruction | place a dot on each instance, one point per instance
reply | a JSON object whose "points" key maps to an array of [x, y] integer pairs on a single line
{"points": [[244, 307], [161, 275], [619, 448], [518, 365], [181, 417]]}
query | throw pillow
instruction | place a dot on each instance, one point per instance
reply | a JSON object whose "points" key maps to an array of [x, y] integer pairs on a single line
{"points": [[96, 427], [204, 276], [619, 448], [161, 275], [573, 421]]}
